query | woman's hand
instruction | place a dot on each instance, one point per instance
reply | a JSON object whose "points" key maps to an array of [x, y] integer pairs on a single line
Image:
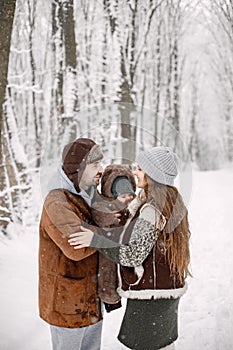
{"points": [[81, 239]]}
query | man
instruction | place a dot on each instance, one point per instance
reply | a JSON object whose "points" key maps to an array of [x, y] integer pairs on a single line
{"points": [[68, 298]]}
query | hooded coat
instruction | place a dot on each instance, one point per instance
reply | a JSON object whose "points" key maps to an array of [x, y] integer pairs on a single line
{"points": [[102, 212], [68, 277], [105, 204]]}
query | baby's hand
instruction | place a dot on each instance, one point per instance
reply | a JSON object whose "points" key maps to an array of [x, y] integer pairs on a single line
{"points": [[118, 216]]}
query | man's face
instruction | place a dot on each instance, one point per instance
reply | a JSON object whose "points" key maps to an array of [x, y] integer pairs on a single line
{"points": [[90, 174]]}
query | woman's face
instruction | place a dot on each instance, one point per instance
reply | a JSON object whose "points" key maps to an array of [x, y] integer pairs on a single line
{"points": [[140, 175]]}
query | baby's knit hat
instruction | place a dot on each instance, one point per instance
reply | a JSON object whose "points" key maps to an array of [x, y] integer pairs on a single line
{"points": [[121, 185], [160, 164]]}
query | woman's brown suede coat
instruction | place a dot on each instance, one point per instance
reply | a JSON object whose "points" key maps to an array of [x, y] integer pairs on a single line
{"points": [[68, 277]]}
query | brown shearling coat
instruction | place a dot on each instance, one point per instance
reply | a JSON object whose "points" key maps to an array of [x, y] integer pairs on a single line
{"points": [[67, 277]]}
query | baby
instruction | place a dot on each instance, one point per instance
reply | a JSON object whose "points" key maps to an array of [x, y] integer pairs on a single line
{"points": [[117, 191], [122, 190]]}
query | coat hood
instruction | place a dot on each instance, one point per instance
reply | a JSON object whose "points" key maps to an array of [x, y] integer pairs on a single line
{"points": [[109, 175]]}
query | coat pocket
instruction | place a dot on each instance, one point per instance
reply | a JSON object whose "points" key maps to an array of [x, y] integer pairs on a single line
{"points": [[70, 296]]}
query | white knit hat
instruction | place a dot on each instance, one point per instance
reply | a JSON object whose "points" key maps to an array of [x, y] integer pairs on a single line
{"points": [[159, 163]]}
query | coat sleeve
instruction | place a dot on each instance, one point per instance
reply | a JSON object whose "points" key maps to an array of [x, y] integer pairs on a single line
{"points": [[142, 240], [60, 220]]}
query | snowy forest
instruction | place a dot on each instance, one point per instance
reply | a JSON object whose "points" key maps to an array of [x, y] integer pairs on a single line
{"points": [[128, 73]]}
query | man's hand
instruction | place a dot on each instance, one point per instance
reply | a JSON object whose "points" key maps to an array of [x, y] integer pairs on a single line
{"points": [[81, 239]]}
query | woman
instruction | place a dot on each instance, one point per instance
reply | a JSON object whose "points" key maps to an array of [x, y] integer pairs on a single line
{"points": [[154, 262]]}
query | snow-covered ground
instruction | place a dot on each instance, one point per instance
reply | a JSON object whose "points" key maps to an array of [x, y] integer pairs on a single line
{"points": [[206, 311]]}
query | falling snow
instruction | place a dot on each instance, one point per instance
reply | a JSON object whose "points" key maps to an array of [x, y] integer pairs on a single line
{"points": [[205, 317]]}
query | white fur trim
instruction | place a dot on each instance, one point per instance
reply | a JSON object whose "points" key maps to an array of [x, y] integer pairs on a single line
{"points": [[155, 293], [134, 205], [149, 213], [139, 270]]}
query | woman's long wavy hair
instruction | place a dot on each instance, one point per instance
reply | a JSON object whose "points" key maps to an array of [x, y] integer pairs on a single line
{"points": [[176, 234]]}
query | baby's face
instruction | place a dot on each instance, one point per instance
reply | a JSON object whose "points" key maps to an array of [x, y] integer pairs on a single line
{"points": [[125, 198]]}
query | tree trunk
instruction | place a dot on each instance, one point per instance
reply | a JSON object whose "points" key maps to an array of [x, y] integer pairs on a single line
{"points": [[57, 32], [70, 93], [128, 152], [31, 19], [157, 82], [7, 10]]}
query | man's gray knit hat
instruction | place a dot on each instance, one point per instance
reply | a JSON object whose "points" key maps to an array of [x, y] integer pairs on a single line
{"points": [[160, 164]]}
